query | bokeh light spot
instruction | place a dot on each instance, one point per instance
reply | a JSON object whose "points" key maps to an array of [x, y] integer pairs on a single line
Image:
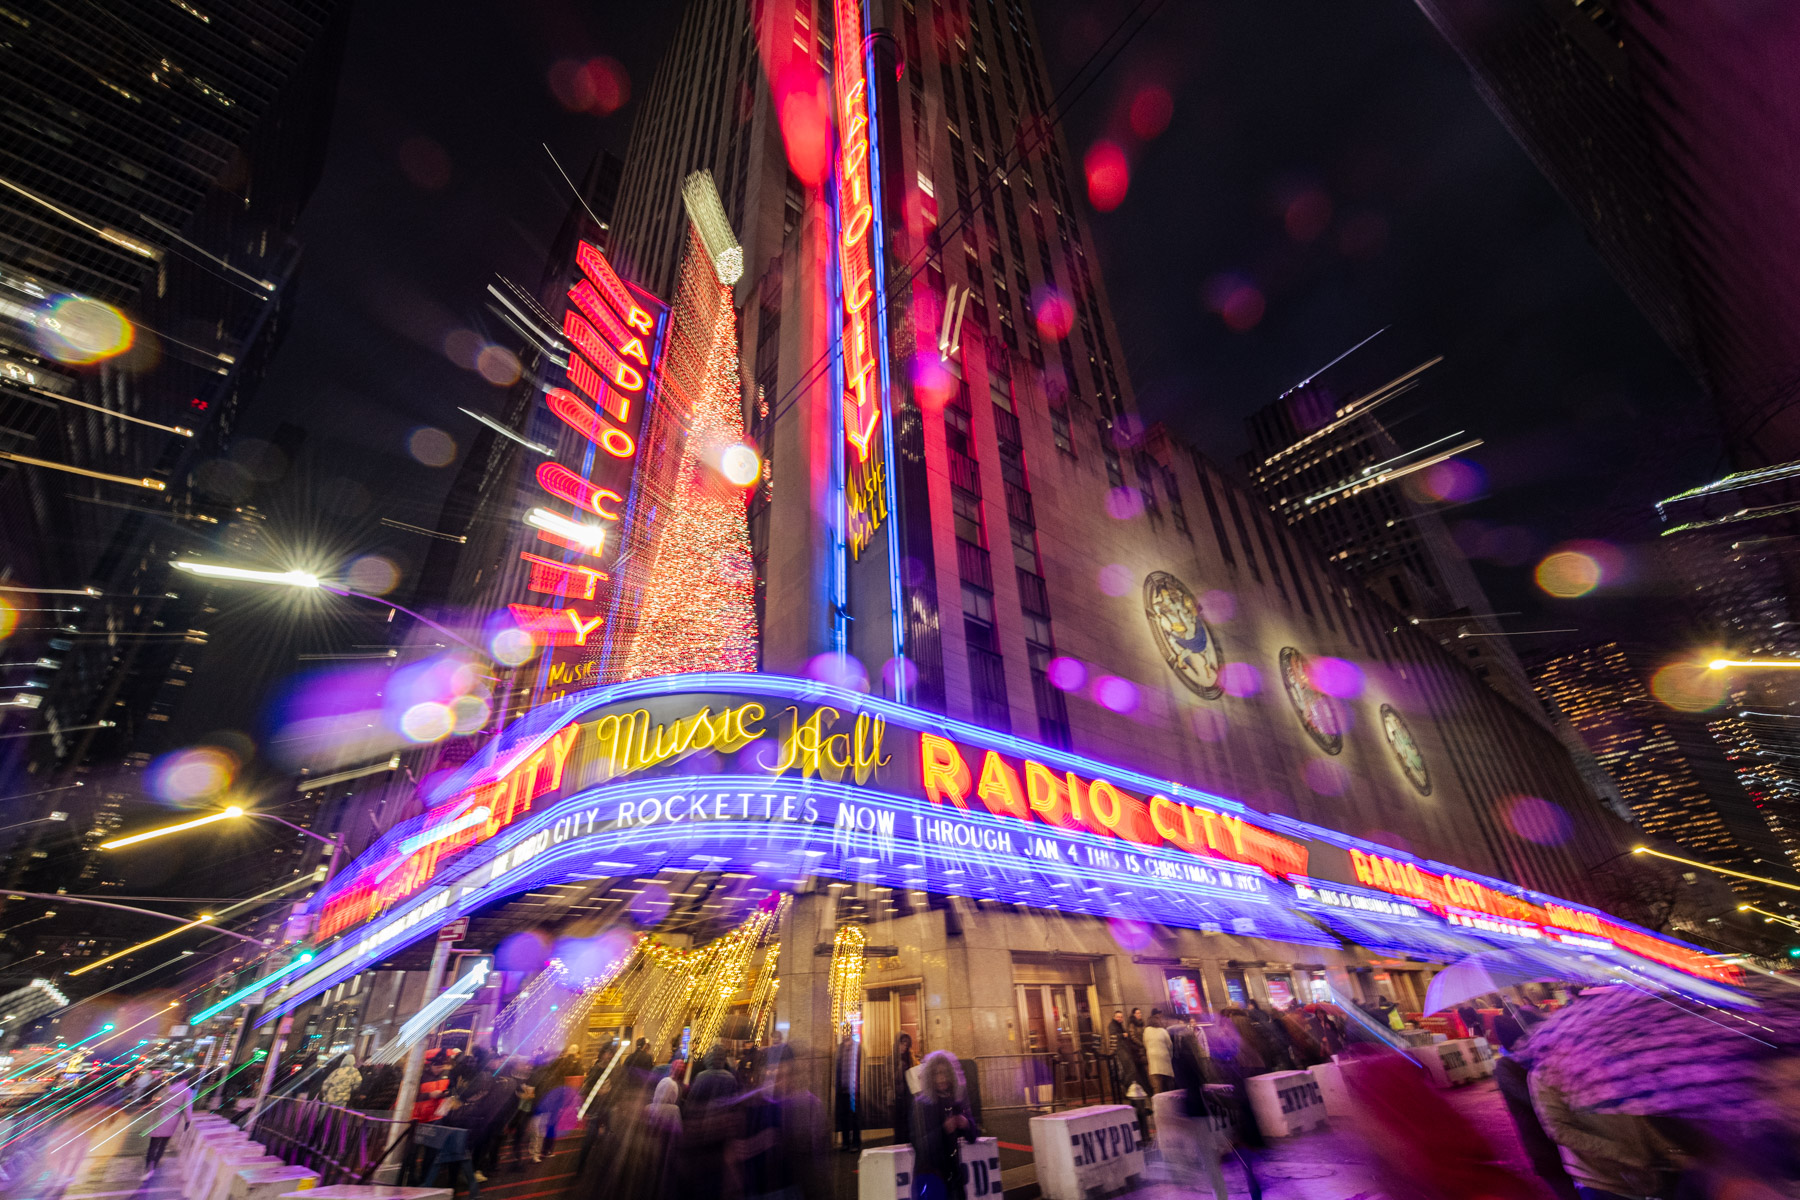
{"points": [[463, 347], [498, 365], [79, 329], [1066, 674], [526, 951], [1108, 175], [932, 381], [431, 446], [1567, 574], [1336, 677], [1689, 687], [1539, 821], [1452, 482], [899, 673], [1209, 724], [190, 775], [1240, 679], [1218, 605], [373, 574], [1127, 934], [740, 465], [600, 85], [1117, 580], [1054, 314], [838, 670], [9, 618], [1124, 503], [1119, 695], [427, 721], [1306, 215], [1151, 109], [805, 123], [1238, 302], [469, 713], [512, 647]]}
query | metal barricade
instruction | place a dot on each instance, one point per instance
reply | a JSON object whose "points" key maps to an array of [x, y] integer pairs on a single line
{"points": [[341, 1144], [1046, 1082]]}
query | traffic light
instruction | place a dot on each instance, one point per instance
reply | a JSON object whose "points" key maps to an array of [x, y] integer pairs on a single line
{"points": [[1794, 951]]}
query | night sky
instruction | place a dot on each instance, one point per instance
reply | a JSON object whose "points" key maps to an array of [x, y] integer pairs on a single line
{"points": [[1334, 158]]}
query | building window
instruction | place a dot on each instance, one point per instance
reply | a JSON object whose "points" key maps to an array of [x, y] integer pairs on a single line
{"points": [[1059, 430], [1115, 469], [966, 514]]}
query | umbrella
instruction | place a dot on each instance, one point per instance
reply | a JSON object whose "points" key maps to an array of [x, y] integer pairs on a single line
{"points": [[1491, 970], [1628, 1049]]}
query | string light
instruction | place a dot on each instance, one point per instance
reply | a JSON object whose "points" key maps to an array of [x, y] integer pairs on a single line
{"points": [[847, 980], [697, 608]]}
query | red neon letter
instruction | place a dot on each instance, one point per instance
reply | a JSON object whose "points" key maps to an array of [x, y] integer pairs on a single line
{"points": [[585, 421], [999, 789], [560, 579], [943, 770], [588, 380], [1044, 792], [594, 264], [565, 484]]}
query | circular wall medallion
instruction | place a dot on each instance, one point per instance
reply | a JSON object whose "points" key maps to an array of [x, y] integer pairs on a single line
{"points": [[1406, 750], [1319, 713], [1188, 644]]}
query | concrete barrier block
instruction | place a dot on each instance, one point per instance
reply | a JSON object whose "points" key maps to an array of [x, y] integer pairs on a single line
{"points": [[885, 1173], [367, 1191], [1330, 1078], [1286, 1102], [1087, 1150], [269, 1183]]}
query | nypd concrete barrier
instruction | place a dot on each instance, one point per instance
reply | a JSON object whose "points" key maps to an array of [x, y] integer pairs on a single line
{"points": [[269, 1183], [213, 1181], [188, 1129], [1086, 1150], [885, 1173], [207, 1145], [1452, 1064], [1286, 1102], [1330, 1078], [369, 1191]]}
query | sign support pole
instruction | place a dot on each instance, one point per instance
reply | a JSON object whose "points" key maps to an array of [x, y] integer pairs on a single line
{"points": [[415, 1057]]}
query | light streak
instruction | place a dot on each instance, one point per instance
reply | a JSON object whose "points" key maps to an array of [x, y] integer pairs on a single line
{"points": [[1736, 480], [218, 571], [161, 937], [1720, 664], [178, 430], [65, 1051], [1721, 870], [474, 816], [589, 537], [54, 591], [1742, 514], [448, 537], [1361, 406], [426, 1018], [392, 764], [1769, 916], [155, 485], [1515, 633], [247, 989], [224, 814], [503, 431], [1375, 477]]}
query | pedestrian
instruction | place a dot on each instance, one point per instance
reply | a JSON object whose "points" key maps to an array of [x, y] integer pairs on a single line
{"points": [[709, 1123], [1607, 1155], [173, 1104], [779, 1153], [342, 1083], [1235, 1059], [899, 1066], [1420, 1146], [941, 1120], [1157, 1054], [1125, 1067], [1512, 1077], [1189, 1145], [847, 1105]]}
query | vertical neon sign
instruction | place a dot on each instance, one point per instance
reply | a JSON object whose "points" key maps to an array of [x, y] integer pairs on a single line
{"points": [[862, 351]]}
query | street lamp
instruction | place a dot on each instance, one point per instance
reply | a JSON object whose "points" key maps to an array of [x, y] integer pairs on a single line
{"points": [[304, 579]]}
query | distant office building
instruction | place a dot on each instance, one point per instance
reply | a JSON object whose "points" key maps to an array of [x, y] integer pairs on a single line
{"points": [[1763, 748], [1669, 128], [1327, 466], [1660, 766], [157, 165]]}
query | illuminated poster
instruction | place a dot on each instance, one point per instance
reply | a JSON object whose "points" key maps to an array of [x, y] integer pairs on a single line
{"points": [[1406, 750], [615, 338], [1319, 713], [1187, 643]]}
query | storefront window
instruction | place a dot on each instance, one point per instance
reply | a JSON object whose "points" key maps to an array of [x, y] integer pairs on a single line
{"points": [[1234, 987], [1317, 989], [1281, 989], [1185, 996]]}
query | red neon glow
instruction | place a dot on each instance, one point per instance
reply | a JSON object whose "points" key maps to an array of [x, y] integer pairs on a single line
{"points": [[594, 265], [561, 579], [566, 485], [554, 626], [507, 799], [588, 380], [587, 339], [856, 212], [608, 322], [1032, 791], [577, 415]]}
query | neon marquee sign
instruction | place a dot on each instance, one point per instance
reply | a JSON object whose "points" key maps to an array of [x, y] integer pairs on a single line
{"points": [[786, 777]]}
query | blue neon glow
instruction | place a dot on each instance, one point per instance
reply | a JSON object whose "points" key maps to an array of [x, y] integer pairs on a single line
{"points": [[232, 999]]}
